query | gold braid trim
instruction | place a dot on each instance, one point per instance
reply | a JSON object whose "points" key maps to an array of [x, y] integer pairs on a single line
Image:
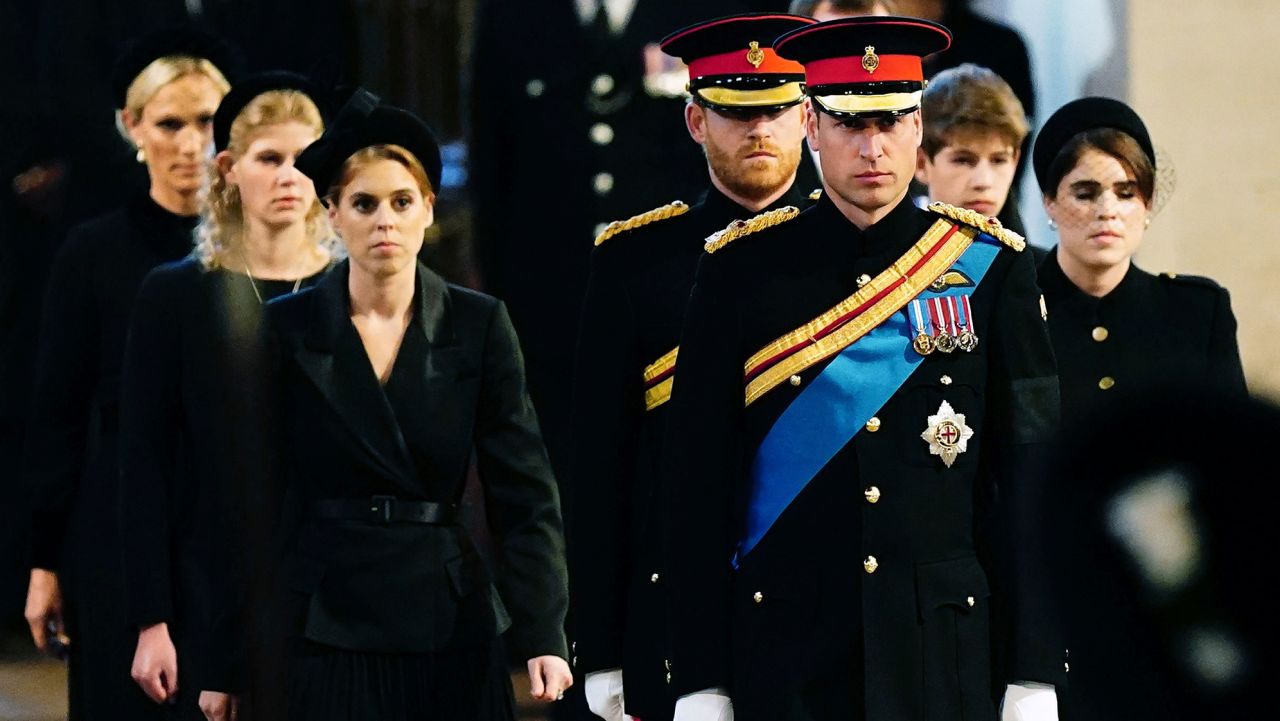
{"points": [[670, 210], [974, 219], [740, 228]]}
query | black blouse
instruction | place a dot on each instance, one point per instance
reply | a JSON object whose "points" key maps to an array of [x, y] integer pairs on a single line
{"points": [[71, 442]]}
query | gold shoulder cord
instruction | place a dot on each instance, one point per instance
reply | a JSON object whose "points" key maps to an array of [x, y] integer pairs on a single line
{"points": [[740, 228], [670, 210], [973, 218]]}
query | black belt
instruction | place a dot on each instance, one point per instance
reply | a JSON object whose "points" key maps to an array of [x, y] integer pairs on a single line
{"points": [[385, 509]]}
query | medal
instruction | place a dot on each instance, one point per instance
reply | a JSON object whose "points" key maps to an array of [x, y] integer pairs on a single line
{"points": [[945, 342], [923, 342], [947, 435], [968, 339]]}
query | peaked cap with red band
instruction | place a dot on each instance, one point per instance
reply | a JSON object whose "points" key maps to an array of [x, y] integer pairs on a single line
{"points": [[865, 66], [732, 64]]}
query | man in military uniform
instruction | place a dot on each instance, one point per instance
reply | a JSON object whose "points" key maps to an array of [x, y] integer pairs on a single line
{"points": [[855, 383], [745, 112]]}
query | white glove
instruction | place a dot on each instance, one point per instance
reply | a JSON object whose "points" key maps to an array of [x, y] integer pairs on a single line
{"points": [[712, 704], [603, 690], [1030, 702]]}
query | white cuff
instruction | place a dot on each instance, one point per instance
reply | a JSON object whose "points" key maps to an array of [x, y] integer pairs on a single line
{"points": [[1028, 701], [603, 690], [712, 704]]}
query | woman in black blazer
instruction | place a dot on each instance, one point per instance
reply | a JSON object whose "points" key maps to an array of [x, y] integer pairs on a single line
{"points": [[392, 381], [167, 86]]}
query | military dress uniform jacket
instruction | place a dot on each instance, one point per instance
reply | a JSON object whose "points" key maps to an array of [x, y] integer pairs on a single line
{"points": [[872, 594], [639, 285], [456, 391], [1151, 332]]}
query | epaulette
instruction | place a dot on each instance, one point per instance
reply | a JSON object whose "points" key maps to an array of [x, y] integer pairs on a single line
{"points": [[739, 228], [1196, 280], [973, 218], [815, 194], [670, 210]]}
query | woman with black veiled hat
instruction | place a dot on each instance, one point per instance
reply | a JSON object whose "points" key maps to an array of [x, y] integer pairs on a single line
{"points": [[392, 380], [168, 86]]}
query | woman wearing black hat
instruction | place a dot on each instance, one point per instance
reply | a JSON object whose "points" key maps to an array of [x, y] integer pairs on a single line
{"points": [[392, 380], [168, 87], [188, 389], [1117, 330]]}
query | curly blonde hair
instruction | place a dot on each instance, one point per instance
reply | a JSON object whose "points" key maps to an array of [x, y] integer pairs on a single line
{"points": [[221, 213]]}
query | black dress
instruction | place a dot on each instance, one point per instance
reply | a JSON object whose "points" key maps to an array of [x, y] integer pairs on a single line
{"points": [[185, 404], [391, 618], [71, 448]]}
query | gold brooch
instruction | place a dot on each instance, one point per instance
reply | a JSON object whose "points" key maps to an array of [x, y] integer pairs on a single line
{"points": [[870, 61], [755, 55]]}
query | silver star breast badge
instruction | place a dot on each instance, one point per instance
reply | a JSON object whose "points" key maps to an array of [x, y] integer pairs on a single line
{"points": [[947, 434]]}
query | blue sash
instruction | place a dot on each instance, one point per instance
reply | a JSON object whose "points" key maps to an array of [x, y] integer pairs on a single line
{"points": [[838, 403]]}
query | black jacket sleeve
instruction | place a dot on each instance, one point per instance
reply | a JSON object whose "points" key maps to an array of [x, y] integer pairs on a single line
{"points": [[608, 406], [150, 423], [66, 375], [1224, 351], [521, 498], [702, 466]]}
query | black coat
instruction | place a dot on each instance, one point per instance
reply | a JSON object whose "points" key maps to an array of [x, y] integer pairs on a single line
{"points": [[185, 406], [457, 392], [635, 301], [553, 113], [801, 627], [1155, 332], [72, 440]]}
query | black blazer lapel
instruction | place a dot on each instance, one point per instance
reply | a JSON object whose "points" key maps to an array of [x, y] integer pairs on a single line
{"points": [[333, 358]]}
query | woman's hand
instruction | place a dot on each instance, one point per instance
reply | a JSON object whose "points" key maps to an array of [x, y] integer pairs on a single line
{"points": [[549, 676], [155, 663], [44, 608], [218, 706]]}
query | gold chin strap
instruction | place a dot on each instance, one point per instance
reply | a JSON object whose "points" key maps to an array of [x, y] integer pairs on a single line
{"points": [[870, 103], [789, 93]]}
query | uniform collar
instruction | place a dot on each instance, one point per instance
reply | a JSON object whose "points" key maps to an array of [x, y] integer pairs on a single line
{"points": [[718, 205], [894, 233]]}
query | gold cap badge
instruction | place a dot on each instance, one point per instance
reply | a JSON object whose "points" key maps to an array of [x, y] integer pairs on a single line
{"points": [[755, 55], [870, 61]]}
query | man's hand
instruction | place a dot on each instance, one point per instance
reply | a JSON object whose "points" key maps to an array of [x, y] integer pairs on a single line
{"points": [[713, 704], [155, 663], [218, 706], [549, 676], [44, 608], [603, 690]]}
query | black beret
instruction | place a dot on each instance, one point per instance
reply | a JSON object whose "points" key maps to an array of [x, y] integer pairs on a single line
{"points": [[250, 87], [364, 122], [180, 40], [1083, 115]]}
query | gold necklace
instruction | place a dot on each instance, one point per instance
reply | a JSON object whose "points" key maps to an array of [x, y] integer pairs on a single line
{"points": [[253, 282]]}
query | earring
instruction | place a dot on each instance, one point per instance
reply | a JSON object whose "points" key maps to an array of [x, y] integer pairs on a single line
{"points": [[1146, 222], [141, 156], [1053, 224]]}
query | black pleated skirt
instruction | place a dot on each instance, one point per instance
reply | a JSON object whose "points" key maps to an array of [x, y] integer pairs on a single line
{"points": [[469, 684]]}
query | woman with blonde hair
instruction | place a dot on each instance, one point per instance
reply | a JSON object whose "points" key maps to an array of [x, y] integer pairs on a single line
{"points": [[390, 382], [168, 86], [189, 363]]}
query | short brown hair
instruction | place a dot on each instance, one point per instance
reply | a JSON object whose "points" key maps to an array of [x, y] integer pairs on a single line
{"points": [[1116, 143], [374, 153], [970, 97], [852, 7]]}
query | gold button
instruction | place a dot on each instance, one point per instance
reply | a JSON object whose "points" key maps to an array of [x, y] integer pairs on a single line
{"points": [[1106, 383], [602, 84], [535, 87], [870, 564], [945, 380], [863, 280], [653, 578], [1100, 334], [873, 425], [758, 597], [872, 494], [970, 601], [601, 133], [795, 380]]}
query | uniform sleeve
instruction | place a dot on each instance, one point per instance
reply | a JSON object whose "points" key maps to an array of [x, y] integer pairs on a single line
{"points": [[1023, 419], [608, 407], [65, 379], [521, 497], [1224, 351], [150, 422], [702, 466]]}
